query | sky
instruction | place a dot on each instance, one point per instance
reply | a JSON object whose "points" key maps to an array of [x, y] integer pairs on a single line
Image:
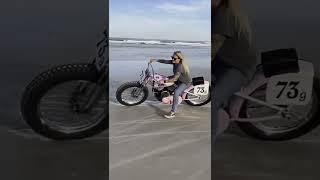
{"points": [[161, 19]]}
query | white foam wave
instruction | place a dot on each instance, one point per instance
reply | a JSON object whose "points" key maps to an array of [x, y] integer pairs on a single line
{"points": [[155, 42]]}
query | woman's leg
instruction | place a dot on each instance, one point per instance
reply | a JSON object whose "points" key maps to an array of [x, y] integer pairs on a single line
{"points": [[227, 83], [177, 92]]}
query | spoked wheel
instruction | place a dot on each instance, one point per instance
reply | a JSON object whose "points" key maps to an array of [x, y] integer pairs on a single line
{"points": [[54, 104], [61, 109], [132, 93], [198, 101], [296, 122]]}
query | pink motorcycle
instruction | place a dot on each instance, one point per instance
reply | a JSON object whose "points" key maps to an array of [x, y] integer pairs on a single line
{"points": [[134, 93], [280, 103]]}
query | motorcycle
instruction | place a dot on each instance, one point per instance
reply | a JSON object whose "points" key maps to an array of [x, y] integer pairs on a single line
{"points": [[133, 93], [69, 101], [281, 102]]}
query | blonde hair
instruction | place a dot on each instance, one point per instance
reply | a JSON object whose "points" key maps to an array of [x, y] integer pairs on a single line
{"points": [[183, 61], [240, 18]]}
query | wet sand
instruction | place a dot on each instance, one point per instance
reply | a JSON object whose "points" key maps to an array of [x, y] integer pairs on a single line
{"points": [[25, 155], [239, 157], [145, 145], [154, 147]]}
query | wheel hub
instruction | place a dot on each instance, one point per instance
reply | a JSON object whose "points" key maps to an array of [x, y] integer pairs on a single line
{"points": [[286, 114], [134, 93]]}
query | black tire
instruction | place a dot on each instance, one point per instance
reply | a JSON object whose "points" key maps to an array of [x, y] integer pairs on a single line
{"points": [[257, 133], [131, 85], [200, 104], [42, 84]]}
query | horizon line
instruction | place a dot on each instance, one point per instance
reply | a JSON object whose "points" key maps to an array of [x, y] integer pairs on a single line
{"points": [[110, 38]]}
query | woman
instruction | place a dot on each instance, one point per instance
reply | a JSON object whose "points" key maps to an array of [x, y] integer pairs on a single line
{"points": [[181, 77], [233, 55]]}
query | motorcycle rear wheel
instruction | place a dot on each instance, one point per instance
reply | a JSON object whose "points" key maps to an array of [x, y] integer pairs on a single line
{"points": [[199, 102], [281, 131]]}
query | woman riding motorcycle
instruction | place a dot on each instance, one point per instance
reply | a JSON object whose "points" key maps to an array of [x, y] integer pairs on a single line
{"points": [[181, 77]]}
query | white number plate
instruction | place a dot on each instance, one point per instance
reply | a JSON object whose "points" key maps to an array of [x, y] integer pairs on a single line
{"points": [[289, 89], [201, 90]]}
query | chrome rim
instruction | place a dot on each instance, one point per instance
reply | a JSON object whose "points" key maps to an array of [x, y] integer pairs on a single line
{"points": [[132, 95], [56, 110]]}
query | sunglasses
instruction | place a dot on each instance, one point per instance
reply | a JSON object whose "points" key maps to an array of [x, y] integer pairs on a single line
{"points": [[174, 58]]}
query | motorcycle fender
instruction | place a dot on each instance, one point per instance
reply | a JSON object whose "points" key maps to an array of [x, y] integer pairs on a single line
{"points": [[189, 88], [237, 102], [306, 68]]}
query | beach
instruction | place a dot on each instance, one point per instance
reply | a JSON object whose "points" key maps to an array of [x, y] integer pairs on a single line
{"points": [[127, 60], [143, 144]]}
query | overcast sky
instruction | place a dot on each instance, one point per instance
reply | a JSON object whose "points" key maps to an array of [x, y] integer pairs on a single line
{"points": [[161, 19]]}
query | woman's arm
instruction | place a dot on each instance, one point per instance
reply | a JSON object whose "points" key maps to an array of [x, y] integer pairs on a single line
{"points": [[218, 41], [175, 77], [164, 61]]}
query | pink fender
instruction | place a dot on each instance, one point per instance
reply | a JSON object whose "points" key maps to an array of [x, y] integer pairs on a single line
{"points": [[236, 102]]}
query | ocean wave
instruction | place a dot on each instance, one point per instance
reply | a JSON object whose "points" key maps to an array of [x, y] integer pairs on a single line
{"points": [[159, 42]]}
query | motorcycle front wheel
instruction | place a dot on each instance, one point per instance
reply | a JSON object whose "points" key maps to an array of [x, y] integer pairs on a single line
{"points": [[50, 103], [132, 93]]}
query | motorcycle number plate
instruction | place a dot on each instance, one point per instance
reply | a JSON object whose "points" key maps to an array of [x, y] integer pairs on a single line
{"points": [[289, 89], [201, 90]]}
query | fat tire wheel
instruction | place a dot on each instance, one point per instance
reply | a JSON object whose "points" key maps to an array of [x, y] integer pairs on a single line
{"points": [[254, 132], [130, 85], [42, 84]]}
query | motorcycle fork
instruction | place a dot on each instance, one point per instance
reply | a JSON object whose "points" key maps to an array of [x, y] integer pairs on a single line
{"points": [[142, 83], [94, 93]]}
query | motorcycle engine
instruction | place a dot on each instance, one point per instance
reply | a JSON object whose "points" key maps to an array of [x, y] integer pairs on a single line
{"points": [[164, 94], [172, 88]]}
